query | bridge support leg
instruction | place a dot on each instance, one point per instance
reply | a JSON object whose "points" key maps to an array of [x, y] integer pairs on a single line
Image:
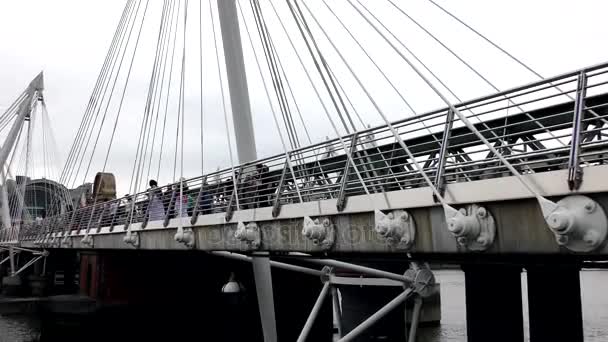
{"points": [[554, 299], [494, 303]]}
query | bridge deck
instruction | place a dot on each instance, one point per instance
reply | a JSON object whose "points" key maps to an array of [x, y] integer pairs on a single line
{"points": [[531, 126]]}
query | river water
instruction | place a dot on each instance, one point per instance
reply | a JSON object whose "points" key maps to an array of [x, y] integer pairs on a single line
{"points": [[453, 323]]}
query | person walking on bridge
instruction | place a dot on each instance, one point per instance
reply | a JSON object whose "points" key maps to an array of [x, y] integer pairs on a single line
{"points": [[156, 210]]}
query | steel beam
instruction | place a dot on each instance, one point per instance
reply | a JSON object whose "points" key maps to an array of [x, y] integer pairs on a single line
{"points": [[314, 312], [377, 316]]}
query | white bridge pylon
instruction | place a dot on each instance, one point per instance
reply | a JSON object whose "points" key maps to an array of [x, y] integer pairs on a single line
{"points": [[17, 127]]}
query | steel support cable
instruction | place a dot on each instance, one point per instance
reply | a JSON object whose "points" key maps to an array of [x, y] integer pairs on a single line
{"points": [[79, 152], [13, 198], [341, 89], [379, 110], [144, 132], [123, 94], [274, 114], [469, 66], [277, 70], [274, 73], [145, 129], [302, 27], [527, 184], [517, 60], [162, 140], [10, 113], [418, 60], [200, 27], [12, 157], [437, 78], [276, 82], [318, 95], [225, 112], [101, 81], [158, 95], [401, 96], [53, 156], [180, 108], [281, 75], [21, 210], [384, 76], [182, 91], [390, 170], [298, 154], [291, 94], [333, 125], [12, 108], [154, 108], [309, 78], [18, 154], [108, 102], [22, 148]]}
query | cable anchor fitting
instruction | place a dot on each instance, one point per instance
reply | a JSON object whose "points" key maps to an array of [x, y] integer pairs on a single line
{"points": [[185, 236], [397, 228], [474, 227], [249, 234], [578, 222], [131, 238], [320, 231]]}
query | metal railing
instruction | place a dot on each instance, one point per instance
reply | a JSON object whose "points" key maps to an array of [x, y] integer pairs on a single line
{"points": [[557, 123]]}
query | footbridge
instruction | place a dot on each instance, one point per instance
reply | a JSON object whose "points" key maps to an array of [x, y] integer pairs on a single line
{"points": [[515, 180], [371, 197]]}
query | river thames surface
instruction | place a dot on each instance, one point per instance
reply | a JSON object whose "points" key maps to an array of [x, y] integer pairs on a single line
{"points": [[453, 323]]}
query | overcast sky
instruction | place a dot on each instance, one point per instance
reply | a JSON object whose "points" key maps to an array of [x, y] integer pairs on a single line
{"points": [[69, 41]]}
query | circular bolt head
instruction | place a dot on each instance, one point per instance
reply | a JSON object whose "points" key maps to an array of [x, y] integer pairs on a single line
{"points": [[481, 212], [390, 216], [315, 241], [462, 241], [381, 230], [590, 207], [463, 211], [455, 226], [559, 222], [561, 239], [591, 238], [405, 216], [482, 240], [390, 240]]}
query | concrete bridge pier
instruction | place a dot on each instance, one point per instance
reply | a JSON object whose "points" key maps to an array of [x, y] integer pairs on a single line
{"points": [[493, 303], [554, 299]]}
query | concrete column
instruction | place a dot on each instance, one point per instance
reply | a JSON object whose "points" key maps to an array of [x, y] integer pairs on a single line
{"points": [[494, 303], [554, 299]]}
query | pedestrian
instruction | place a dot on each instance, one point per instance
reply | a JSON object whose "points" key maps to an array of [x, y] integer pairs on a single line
{"points": [[156, 209]]}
